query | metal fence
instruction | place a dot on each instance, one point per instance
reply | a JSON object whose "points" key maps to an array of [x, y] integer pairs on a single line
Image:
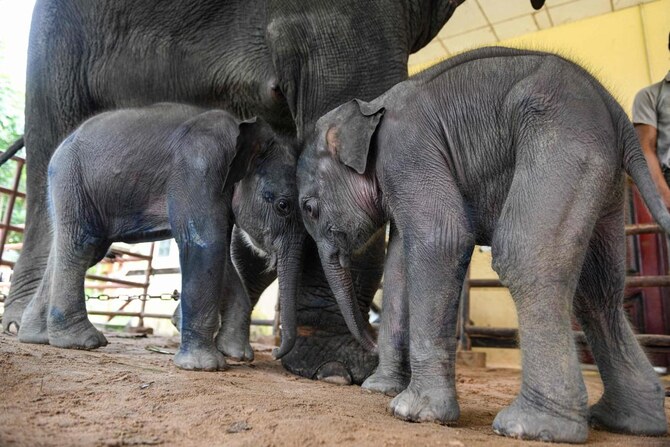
{"points": [[494, 337]]}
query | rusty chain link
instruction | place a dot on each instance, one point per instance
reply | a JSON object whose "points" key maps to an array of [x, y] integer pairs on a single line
{"points": [[142, 297]]}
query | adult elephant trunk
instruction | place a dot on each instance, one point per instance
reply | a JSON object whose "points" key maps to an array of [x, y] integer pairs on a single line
{"points": [[289, 269], [339, 279]]}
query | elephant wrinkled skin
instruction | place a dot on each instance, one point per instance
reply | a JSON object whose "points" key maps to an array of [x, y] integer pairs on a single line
{"points": [[170, 170], [288, 61], [525, 152]]}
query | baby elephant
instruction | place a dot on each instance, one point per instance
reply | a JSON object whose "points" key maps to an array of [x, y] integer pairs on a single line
{"points": [[168, 170], [525, 152]]}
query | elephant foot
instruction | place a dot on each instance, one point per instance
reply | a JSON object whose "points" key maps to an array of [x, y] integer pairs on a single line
{"points": [[11, 317], [635, 414], [235, 347], [34, 336], [386, 383], [523, 421], [335, 373], [33, 327], [420, 404], [80, 335], [332, 357], [202, 358], [34, 331]]}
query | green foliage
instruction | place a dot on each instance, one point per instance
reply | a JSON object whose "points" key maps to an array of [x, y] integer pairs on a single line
{"points": [[11, 128], [11, 111]]}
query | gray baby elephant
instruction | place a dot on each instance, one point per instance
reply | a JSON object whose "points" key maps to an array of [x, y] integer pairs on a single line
{"points": [[525, 152], [169, 170]]}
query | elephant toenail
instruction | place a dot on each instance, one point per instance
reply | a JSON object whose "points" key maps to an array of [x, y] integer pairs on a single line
{"points": [[335, 373], [12, 328]]}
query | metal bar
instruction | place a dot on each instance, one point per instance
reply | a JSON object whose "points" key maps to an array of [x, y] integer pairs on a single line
{"points": [[642, 229], [139, 285], [121, 251], [107, 286], [119, 260], [484, 282], [464, 314], [8, 191], [160, 316], [10, 207], [12, 228], [114, 313], [120, 309], [507, 338], [263, 322], [147, 278], [154, 272], [631, 281], [648, 281]]}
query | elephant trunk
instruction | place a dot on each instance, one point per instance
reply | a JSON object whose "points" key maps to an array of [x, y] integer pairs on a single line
{"points": [[339, 279], [289, 268]]}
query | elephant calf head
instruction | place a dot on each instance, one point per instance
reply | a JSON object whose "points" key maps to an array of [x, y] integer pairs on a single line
{"points": [[340, 200], [265, 208]]}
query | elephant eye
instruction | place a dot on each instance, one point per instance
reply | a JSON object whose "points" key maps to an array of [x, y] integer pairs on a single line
{"points": [[283, 207], [311, 208]]}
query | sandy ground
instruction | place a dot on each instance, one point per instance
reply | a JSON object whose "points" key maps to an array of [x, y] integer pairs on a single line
{"points": [[125, 395]]}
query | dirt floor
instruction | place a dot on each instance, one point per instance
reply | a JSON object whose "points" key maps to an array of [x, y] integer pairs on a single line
{"points": [[126, 395]]}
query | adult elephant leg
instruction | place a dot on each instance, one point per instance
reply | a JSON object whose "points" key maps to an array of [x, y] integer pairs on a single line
{"points": [[393, 372], [57, 100], [31, 265], [633, 401], [33, 328], [245, 280], [325, 349]]}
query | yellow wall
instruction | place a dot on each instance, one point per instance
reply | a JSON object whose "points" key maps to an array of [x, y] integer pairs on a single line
{"points": [[625, 50]]}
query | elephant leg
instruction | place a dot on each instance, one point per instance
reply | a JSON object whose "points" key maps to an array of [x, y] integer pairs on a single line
{"points": [[232, 338], [538, 250], [68, 325], [33, 328], [633, 401], [202, 264], [245, 279], [393, 372], [437, 253], [31, 265], [46, 125], [325, 349]]}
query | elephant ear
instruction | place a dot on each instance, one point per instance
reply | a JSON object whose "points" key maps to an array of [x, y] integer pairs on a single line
{"points": [[247, 148], [350, 140]]}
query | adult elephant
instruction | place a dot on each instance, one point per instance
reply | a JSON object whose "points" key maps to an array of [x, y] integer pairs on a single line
{"points": [[286, 60]]}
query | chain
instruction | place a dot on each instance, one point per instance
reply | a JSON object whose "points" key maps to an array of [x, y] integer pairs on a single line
{"points": [[142, 297]]}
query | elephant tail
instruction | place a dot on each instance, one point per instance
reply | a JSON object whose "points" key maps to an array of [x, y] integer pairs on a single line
{"points": [[11, 150], [635, 164]]}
